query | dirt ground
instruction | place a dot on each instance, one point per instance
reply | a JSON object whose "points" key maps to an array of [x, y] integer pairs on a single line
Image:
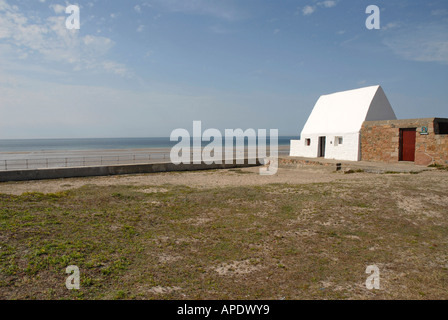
{"points": [[197, 179], [305, 233]]}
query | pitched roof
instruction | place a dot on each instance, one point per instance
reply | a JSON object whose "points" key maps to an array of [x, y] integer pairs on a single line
{"points": [[344, 112]]}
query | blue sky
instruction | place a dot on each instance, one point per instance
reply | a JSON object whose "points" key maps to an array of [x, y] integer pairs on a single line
{"points": [[144, 68]]}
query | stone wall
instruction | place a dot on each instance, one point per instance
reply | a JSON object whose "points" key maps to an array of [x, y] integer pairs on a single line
{"points": [[380, 141]]}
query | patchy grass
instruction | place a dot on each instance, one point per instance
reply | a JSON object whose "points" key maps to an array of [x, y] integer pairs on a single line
{"points": [[354, 171], [240, 171], [311, 241], [403, 172], [438, 166]]}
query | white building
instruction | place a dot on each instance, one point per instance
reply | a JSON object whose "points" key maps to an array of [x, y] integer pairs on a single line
{"points": [[333, 129]]}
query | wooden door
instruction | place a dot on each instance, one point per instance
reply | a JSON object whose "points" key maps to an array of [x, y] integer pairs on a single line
{"points": [[407, 144]]}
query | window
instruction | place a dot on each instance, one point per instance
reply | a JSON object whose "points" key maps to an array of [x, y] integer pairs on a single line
{"points": [[307, 142], [338, 141], [441, 127]]}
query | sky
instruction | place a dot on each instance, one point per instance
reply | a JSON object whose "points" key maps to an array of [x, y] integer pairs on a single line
{"points": [[143, 68]]}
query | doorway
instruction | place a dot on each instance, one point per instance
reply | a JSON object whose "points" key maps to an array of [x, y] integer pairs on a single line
{"points": [[407, 144], [321, 150]]}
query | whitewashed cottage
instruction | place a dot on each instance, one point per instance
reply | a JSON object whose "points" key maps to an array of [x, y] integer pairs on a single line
{"points": [[333, 129]]}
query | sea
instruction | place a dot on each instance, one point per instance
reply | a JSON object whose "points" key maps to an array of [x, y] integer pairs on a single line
{"points": [[33, 145]]}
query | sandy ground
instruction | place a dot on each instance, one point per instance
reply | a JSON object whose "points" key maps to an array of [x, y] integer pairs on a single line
{"points": [[293, 240], [205, 179]]}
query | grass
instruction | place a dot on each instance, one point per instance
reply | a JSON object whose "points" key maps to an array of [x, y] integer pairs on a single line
{"points": [[354, 171], [240, 171], [402, 172], [294, 241], [438, 166]]}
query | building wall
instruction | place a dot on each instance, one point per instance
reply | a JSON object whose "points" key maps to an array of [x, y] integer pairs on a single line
{"points": [[348, 150], [380, 141], [298, 148]]}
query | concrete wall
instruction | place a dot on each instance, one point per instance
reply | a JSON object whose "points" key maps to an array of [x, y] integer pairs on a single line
{"points": [[380, 141], [57, 173]]}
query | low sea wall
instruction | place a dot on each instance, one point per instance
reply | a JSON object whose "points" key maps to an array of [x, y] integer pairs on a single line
{"points": [[58, 173]]}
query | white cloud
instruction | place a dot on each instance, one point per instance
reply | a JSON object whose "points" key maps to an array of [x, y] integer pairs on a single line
{"points": [[361, 82], [138, 9], [427, 43], [308, 10], [327, 4], [140, 28], [49, 41], [115, 67], [390, 25], [57, 8]]}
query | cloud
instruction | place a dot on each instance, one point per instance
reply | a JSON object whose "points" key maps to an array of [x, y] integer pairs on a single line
{"points": [[361, 82], [57, 8], [327, 4], [50, 41], [426, 43], [390, 25], [114, 67], [310, 9]]}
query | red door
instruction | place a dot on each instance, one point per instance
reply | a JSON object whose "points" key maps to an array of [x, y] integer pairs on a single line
{"points": [[407, 144]]}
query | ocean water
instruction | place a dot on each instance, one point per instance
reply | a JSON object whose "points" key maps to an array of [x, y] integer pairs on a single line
{"points": [[28, 145]]}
